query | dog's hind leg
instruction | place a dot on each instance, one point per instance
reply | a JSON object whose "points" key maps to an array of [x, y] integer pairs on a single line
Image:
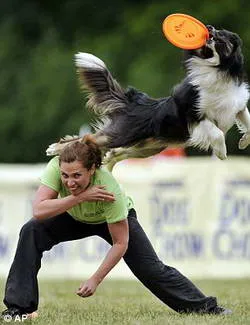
{"points": [[57, 147], [114, 156], [206, 134], [143, 149]]}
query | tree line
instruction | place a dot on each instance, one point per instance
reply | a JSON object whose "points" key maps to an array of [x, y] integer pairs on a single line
{"points": [[40, 99]]}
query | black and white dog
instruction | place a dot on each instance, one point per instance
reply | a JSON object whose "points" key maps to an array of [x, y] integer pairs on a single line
{"points": [[202, 108]]}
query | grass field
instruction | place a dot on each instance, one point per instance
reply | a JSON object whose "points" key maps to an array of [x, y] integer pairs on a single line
{"points": [[129, 303]]}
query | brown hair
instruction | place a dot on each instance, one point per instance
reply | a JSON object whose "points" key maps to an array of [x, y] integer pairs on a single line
{"points": [[85, 150]]}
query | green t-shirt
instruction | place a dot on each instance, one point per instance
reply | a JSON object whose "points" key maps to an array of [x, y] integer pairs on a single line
{"points": [[91, 212]]}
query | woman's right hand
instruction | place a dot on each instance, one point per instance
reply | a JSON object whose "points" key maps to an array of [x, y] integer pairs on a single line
{"points": [[95, 193], [87, 288]]}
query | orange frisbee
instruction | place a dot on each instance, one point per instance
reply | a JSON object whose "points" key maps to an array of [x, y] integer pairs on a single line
{"points": [[185, 31]]}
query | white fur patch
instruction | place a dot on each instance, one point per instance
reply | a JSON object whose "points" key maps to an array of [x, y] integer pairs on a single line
{"points": [[220, 97]]}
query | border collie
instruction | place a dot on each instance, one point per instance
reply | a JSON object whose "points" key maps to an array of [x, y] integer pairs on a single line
{"points": [[201, 109]]}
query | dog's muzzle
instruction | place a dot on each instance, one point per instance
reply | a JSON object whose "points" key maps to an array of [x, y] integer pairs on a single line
{"points": [[212, 33], [211, 30]]}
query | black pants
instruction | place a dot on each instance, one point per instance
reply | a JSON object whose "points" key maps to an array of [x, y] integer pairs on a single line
{"points": [[165, 282]]}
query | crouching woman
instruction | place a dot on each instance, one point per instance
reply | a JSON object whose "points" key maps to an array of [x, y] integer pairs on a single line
{"points": [[78, 198]]}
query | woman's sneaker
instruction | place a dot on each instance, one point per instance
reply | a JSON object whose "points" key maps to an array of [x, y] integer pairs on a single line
{"points": [[218, 310]]}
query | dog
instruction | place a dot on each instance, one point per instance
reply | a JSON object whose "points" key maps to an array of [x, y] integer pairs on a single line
{"points": [[212, 98]]}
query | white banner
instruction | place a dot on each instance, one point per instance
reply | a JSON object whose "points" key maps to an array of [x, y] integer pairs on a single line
{"points": [[196, 213]]}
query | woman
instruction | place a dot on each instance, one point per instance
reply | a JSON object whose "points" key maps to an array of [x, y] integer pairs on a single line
{"points": [[77, 199]]}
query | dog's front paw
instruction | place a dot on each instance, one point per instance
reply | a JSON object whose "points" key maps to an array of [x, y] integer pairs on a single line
{"points": [[220, 152], [244, 141], [220, 155]]}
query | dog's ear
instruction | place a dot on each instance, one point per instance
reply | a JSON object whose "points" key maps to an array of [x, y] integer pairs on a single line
{"points": [[237, 47], [236, 41], [233, 38]]}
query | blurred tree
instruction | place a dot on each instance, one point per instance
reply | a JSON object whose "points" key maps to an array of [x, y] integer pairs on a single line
{"points": [[40, 97]]}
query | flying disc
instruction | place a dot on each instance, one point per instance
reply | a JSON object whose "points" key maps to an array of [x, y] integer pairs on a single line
{"points": [[185, 31]]}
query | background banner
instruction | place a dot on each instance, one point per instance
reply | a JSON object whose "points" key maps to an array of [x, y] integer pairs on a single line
{"points": [[196, 213]]}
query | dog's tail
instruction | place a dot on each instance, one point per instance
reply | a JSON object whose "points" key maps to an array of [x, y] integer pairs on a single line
{"points": [[104, 92]]}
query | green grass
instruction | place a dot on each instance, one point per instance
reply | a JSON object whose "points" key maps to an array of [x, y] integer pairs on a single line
{"points": [[129, 303]]}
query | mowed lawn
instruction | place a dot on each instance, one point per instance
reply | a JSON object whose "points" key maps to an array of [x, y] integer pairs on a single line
{"points": [[129, 303]]}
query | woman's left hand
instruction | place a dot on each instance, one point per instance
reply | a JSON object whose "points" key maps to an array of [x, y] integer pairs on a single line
{"points": [[87, 288]]}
